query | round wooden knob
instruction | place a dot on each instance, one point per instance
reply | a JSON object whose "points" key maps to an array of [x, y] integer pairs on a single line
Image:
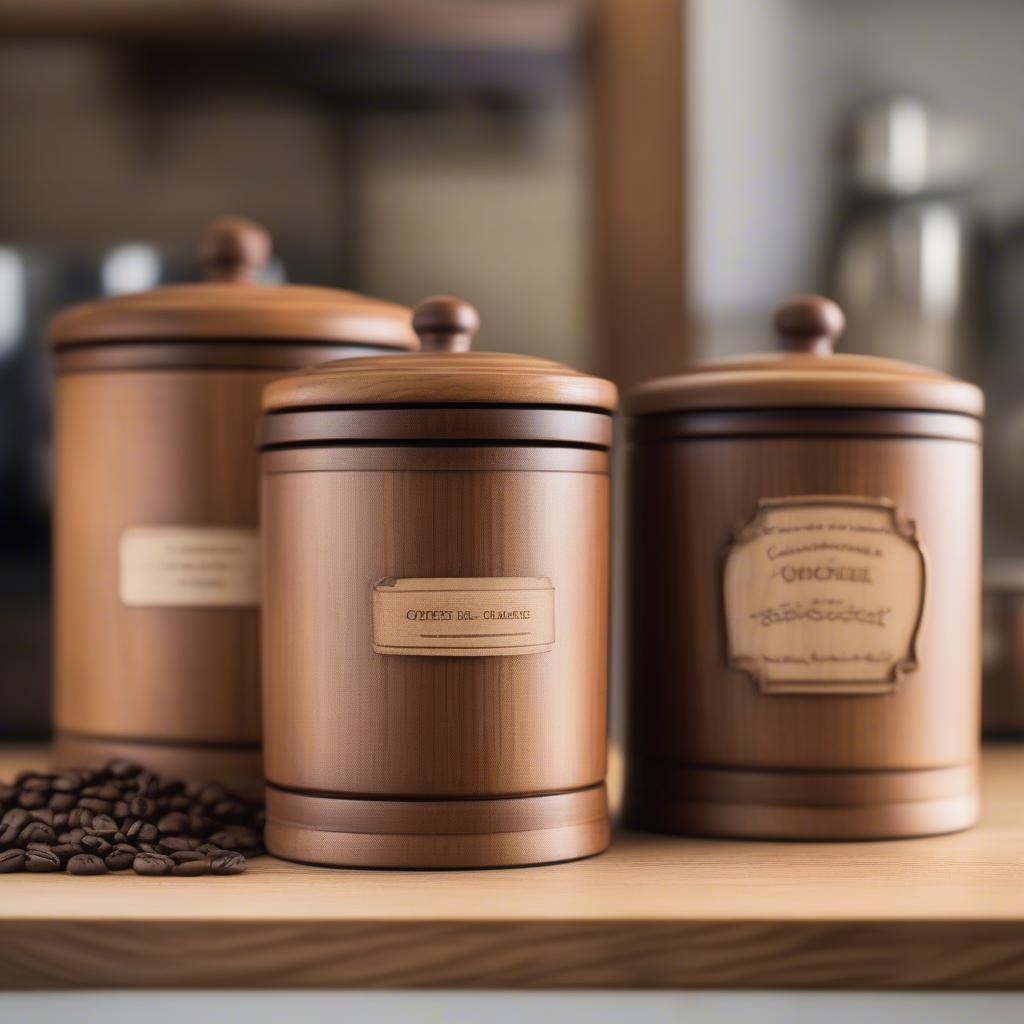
{"points": [[810, 323], [234, 249], [445, 324]]}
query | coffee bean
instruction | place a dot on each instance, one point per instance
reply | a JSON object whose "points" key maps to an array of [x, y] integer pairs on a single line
{"points": [[148, 833], [123, 769], [37, 832], [121, 857], [192, 868], [120, 816], [173, 824], [12, 860], [227, 863], [95, 804], [172, 844], [180, 856], [69, 783], [44, 859], [16, 816], [142, 807], [97, 845], [86, 864], [152, 864], [103, 825]]}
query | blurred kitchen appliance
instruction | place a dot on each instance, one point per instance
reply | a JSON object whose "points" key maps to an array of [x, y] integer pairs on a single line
{"points": [[904, 256]]}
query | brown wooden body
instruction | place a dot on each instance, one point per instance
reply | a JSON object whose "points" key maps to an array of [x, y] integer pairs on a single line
{"points": [[158, 435], [709, 752], [407, 761]]}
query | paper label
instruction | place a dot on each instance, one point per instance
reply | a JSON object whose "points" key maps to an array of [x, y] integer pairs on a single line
{"points": [[189, 567], [825, 595], [464, 616]]}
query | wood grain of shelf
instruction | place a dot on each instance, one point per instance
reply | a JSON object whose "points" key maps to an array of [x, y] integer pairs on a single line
{"points": [[653, 912]]}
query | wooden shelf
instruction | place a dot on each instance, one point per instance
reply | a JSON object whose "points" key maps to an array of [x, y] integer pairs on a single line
{"points": [[653, 912]]}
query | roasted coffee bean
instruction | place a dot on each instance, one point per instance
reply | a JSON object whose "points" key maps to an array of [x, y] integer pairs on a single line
{"points": [[96, 804], [173, 823], [37, 832], [142, 807], [97, 845], [92, 820], [212, 795], [152, 864], [62, 801], [224, 840], [123, 769], [227, 863], [103, 825], [69, 783], [67, 850], [86, 864], [121, 857], [12, 860], [180, 856], [42, 859], [16, 816], [191, 868], [172, 844], [149, 833]]}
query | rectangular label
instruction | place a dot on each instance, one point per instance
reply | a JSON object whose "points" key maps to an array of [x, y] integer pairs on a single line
{"points": [[824, 594], [463, 616], [190, 567]]}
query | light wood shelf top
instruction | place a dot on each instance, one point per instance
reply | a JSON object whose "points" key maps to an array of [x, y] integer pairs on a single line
{"points": [[653, 912]]}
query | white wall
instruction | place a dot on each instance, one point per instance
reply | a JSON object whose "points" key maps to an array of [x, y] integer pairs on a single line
{"points": [[770, 81]]}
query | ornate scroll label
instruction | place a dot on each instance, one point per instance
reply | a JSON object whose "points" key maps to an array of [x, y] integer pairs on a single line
{"points": [[456, 616], [189, 567], [825, 595]]}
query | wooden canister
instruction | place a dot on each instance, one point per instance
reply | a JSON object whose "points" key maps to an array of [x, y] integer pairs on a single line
{"points": [[156, 546], [436, 553], [804, 594]]}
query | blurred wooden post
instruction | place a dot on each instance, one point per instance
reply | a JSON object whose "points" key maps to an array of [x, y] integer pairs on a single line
{"points": [[637, 117]]}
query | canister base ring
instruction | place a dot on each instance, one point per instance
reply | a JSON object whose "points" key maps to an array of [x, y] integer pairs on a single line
{"points": [[239, 768], [840, 805], [437, 834]]}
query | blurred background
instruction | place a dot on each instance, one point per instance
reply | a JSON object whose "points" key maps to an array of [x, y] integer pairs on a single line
{"points": [[625, 185]]}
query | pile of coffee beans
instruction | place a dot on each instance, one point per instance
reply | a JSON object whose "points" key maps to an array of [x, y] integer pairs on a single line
{"points": [[91, 821]]}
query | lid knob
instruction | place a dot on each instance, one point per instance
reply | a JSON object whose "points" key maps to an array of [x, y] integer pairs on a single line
{"points": [[810, 324], [445, 324], [234, 249]]}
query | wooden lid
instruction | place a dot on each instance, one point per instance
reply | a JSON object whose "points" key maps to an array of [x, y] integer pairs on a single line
{"points": [[444, 373], [231, 304], [807, 374]]}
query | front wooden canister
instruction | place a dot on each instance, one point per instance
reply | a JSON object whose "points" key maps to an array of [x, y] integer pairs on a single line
{"points": [[156, 555], [435, 654], [804, 623]]}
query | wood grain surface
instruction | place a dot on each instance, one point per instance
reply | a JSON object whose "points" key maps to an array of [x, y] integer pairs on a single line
{"points": [[653, 912], [690, 710]]}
